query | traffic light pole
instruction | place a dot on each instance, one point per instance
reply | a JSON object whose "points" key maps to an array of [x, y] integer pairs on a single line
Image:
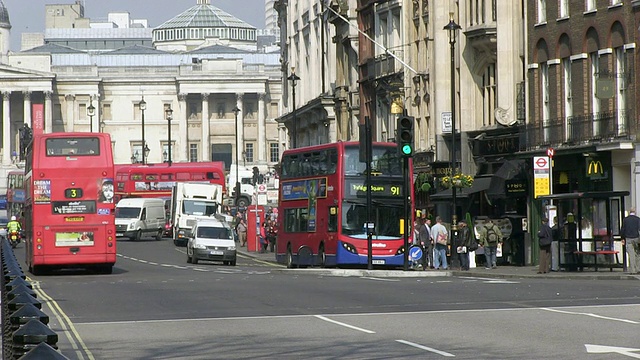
{"points": [[404, 141], [369, 155]]}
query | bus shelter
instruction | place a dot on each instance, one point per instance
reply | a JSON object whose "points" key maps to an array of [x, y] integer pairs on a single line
{"points": [[587, 228]]}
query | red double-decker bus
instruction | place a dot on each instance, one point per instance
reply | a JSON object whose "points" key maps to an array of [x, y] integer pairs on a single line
{"points": [[157, 180], [322, 212], [69, 220], [15, 192]]}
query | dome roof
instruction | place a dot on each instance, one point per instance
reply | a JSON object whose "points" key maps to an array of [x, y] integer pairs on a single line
{"points": [[4, 16], [204, 15]]}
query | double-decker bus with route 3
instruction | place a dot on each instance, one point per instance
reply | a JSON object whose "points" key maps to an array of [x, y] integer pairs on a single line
{"points": [[322, 210], [69, 206]]}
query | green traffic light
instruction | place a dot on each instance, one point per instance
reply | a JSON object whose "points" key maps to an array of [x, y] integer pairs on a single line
{"points": [[406, 149]]}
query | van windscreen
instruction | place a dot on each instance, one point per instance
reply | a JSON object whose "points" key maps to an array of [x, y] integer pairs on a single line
{"points": [[213, 233], [127, 212]]}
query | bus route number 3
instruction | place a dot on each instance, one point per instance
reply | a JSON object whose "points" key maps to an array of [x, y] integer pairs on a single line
{"points": [[73, 193]]}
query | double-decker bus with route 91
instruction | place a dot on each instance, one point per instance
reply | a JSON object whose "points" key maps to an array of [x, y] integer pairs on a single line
{"points": [[322, 206], [69, 206]]}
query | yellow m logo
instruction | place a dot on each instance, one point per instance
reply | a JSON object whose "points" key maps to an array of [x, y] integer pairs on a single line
{"points": [[595, 168]]}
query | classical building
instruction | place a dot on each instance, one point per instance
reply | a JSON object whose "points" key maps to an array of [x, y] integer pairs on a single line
{"points": [[203, 85]]}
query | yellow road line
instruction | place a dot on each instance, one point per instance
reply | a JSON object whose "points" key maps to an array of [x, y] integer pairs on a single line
{"points": [[65, 323]]}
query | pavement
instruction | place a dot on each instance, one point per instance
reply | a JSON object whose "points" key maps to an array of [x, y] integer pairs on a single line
{"points": [[501, 272]]}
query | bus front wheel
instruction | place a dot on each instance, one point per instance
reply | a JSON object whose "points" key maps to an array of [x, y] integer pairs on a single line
{"points": [[290, 264], [322, 257]]}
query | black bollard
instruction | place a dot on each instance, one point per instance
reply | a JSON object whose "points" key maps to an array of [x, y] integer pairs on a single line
{"points": [[20, 289], [30, 335], [17, 281], [43, 351], [21, 300], [26, 313]]}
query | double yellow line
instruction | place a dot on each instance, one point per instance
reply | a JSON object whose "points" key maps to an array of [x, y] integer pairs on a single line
{"points": [[80, 348]]}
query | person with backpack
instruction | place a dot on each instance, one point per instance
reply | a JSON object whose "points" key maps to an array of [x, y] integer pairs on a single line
{"points": [[490, 236]]}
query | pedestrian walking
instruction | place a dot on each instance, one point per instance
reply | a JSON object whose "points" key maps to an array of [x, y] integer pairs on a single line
{"points": [[490, 236], [545, 237], [463, 244], [630, 233], [241, 230], [439, 236]]}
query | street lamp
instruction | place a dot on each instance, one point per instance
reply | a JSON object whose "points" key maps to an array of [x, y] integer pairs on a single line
{"points": [[145, 153], [294, 127], [91, 110], [143, 107], [169, 115], [237, 188], [134, 157], [452, 28]]}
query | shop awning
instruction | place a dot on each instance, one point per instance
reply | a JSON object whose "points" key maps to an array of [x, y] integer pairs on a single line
{"points": [[480, 183]]}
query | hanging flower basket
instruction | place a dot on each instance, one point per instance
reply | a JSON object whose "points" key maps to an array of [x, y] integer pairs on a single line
{"points": [[458, 181]]}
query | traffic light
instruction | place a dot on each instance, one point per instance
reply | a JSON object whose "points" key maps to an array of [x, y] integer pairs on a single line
{"points": [[404, 135]]}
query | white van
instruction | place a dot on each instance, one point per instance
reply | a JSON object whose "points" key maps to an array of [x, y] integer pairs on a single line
{"points": [[211, 240], [137, 217]]}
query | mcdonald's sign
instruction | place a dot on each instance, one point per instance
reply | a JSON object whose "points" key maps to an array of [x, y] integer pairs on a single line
{"points": [[595, 170]]}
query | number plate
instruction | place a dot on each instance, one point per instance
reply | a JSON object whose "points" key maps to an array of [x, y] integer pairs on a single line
{"points": [[119, 234], [377, 262], [216, 252]]}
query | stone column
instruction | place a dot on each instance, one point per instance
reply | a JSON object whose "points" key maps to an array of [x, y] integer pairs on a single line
{"points": [[6, 127], [262, 136], [71, 106], [182, 141], [48, 112], [27, 108], [240, 129], [206, 152]]}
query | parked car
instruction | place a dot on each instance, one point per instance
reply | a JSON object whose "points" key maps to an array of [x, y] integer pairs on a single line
{"points": [[211, 240]]}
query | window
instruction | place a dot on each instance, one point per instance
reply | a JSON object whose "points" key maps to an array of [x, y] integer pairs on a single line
{"points": [[274, 152], [82, 111], [564, 9], [248, 152], [542, 11], [590, 5], [296, 220], [165, 152], [566, 69], [489, 94], [73, 146], [136, 153], [106, 111], [595, 69], [193, 152], [137, 114], [616, 2]]}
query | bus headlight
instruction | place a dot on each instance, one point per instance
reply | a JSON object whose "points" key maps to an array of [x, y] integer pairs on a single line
{"points": [[350, 248], [400, 250]]}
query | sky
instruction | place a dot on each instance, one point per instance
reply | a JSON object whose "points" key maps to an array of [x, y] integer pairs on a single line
{"points": [[28, 15]]}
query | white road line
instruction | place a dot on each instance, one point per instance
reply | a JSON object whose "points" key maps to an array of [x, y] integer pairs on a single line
{"points": [[378, 279], [592, 315], [439, 352], [345, 325]]}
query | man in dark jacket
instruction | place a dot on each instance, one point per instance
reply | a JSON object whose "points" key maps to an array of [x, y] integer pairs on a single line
{"points": [[630, 232], [464, 241], [545, 237]]}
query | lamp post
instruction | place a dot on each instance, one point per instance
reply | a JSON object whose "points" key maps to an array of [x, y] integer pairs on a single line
{"points": [[145, 153], [237, 188], [169, 115], [143, 107], [91, 110], [452, 28], [134, 157], [294, 127]]}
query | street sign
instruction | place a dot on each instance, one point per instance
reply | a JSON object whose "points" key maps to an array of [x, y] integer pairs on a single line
{"points": [[541, 176], [415, 253], [262, 188], [550, 152]]}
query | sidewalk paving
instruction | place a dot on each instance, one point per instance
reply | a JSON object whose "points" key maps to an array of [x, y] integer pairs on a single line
{"points": [[502, 272]]}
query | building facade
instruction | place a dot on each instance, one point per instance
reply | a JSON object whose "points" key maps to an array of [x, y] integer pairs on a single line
{"points": [[202, 86]]}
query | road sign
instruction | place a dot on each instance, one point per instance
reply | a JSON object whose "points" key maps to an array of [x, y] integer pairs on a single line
{"points": [[550, 152], [262, 188], [415, 253]]}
